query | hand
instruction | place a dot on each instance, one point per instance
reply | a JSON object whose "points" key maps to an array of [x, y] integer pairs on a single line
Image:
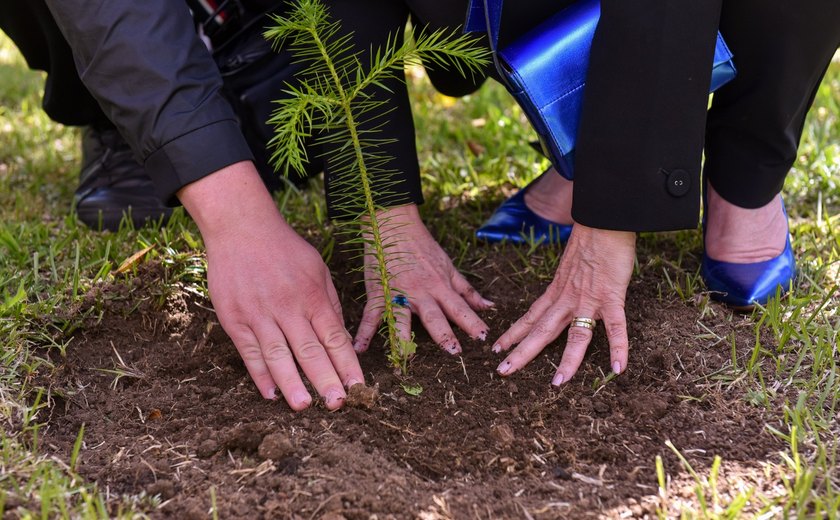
{"points": [[591, 282], [424, 274], [271, 290]]}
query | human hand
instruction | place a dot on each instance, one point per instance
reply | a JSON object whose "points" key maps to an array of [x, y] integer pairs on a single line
{"points": [[272, 293], [424, 274], [591, 282]]}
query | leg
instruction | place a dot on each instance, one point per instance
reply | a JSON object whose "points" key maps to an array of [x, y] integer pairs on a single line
{"points": [[111, 182], [31, 26], [755, 123], [393, 121]]}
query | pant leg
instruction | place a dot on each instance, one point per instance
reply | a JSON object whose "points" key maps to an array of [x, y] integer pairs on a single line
{"points": [[781, 50], [31, 26], [434, 15], [371, 24]]}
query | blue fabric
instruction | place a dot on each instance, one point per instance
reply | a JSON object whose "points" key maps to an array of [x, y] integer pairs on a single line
{"points": [[546, 71]]}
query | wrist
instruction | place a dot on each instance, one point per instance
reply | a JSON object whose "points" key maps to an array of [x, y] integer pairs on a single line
{"points": [[231, 199], [596, 235]]}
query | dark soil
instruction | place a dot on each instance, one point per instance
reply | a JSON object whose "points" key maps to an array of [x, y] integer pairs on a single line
{"points": [[471, 445]]}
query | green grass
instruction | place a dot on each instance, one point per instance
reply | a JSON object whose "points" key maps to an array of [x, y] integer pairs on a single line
{"points": [[470, 149]]}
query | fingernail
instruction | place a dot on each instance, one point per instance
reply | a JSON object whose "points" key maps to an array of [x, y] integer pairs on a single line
{"points": [[487, 303], [302, 398], [357, 346], [453, 349], [333, 397], [482, 335], [353, 382], [558, 380], [497, 348], [504, 368], [617, 368]]}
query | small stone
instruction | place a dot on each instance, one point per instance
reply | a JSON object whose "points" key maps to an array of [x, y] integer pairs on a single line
{"points": [[601, 407], [561, 473], [275, 446], [361, 396], [503, 434]]}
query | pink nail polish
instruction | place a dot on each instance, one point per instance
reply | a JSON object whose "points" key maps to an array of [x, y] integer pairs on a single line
{"points": [[616, 368], [333, 397], [482, 335], [504, 368], [558, 380], [497, 348]]}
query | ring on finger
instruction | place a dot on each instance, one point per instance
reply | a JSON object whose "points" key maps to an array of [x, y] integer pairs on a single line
{"points": [[586, 323], [400, 301]]}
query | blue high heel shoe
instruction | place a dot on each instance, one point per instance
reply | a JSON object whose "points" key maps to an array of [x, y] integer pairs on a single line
{"points": [[742, 286], [514, 222]]}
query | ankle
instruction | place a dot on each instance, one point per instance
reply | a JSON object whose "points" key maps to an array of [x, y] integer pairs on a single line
{"points": [[550, 197], [740, 235]]}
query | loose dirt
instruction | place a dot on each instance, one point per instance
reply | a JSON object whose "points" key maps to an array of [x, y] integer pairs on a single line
{"points": [[185, 423]]}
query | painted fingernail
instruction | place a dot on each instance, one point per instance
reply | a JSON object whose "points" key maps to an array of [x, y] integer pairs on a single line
{"points": [[358, 347], [302, 399], [482, 335], [453, 349], [558, 380], [333, 397], [505, 368], [497, 348], [617, 368]]}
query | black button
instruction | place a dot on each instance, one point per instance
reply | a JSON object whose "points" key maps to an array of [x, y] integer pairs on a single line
{"points": [[678, 183]]}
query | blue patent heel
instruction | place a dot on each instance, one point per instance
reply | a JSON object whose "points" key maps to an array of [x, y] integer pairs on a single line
{"points": [[514, 222], [742, 286]]}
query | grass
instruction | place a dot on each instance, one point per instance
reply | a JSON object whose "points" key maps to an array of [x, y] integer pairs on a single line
{"points": [[471, 151]]}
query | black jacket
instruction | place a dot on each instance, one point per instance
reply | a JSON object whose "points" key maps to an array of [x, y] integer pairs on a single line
{"points": [[157, 82]]}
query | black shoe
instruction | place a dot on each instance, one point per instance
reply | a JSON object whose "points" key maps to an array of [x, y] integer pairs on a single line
{"points": [[113, 184]]}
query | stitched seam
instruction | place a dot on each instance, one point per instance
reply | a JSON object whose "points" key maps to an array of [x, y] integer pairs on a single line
{"points": [[530, 95]]}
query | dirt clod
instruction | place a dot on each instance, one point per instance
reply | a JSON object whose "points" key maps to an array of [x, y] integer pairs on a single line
{"points": [[207, 448], [275, 446], [165, 488], [361, 396]]}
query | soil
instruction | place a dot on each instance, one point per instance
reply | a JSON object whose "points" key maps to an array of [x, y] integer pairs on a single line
{"points": [[187, 425]]}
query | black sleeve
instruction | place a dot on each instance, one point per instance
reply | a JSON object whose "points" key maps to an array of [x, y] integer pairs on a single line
{"points": [[157, 83], [640, 141]]}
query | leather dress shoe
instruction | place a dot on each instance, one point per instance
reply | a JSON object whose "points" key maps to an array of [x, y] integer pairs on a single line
{"points": [[113, 184], [742, 286], [514, 222]]}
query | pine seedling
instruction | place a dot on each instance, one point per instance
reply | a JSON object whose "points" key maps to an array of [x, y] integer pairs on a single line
{"points": [[333, 106]]}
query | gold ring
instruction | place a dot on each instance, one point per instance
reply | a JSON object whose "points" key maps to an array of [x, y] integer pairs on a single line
{"points": [[586, 323]]}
